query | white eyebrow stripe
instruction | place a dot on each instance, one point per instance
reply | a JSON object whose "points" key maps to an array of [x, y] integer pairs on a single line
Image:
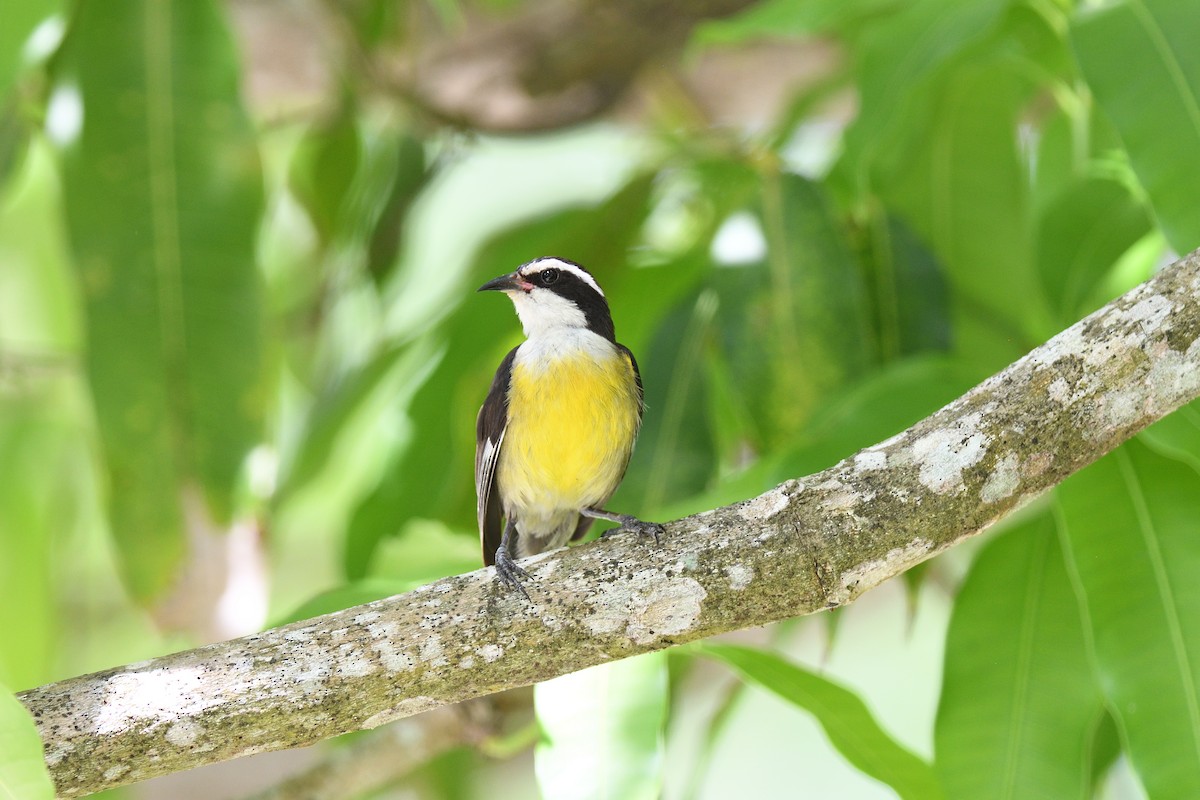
{"points": [[539, 264]]}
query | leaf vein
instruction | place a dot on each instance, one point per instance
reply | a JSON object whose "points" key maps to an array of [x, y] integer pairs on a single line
{"points": [[1163, 582], [1188, 97], [1033, 596]]}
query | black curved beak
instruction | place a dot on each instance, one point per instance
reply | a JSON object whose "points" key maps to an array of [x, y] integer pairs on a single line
{"points": [[505, 283]]}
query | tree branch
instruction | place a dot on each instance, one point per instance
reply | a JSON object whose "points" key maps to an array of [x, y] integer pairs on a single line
{"points": [[806, 545], [558, 63]]}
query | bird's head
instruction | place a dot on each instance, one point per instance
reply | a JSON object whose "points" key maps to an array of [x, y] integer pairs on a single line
{"points": [[551, 294]]}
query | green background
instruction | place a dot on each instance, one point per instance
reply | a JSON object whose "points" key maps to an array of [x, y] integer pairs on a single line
{"points": [[241, 356]]}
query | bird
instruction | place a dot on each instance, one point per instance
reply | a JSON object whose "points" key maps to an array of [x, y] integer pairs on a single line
{"points": [[555, 433]]}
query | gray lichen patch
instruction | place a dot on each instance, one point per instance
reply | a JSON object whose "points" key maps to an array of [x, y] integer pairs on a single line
{"points": [[1174, 376], [1149, 313], [184, 733], [60, 750], [405, 708], [647, 606], [154, 697], [770, 503], [366, 618], [1003, 480], [870, 460], [739, 576], [114, 772], [432, 652], [942, 455], [1171, 378], [353, 662], [491, 652], [393, 657], [1060, 391], [855, 581], [837, 497]]}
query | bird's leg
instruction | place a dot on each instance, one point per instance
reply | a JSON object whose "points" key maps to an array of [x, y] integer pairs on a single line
{"points": [[626, 521], [507, 570]]}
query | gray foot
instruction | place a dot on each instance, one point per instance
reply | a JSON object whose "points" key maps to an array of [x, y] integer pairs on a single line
{"points": [[509, 573], [640, 527]]}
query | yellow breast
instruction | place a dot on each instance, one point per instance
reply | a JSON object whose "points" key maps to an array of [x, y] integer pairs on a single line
{"points": [[572, 421]]}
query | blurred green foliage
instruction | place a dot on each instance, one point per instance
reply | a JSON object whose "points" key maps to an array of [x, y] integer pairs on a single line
{"points": [[213, 317], [22, 773], [846, 719]]}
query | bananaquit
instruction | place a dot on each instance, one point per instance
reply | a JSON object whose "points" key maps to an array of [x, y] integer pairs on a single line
{"points": [[554, 435]]}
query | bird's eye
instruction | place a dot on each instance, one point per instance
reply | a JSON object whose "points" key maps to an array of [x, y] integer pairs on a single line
{"points": [[548, 276]]}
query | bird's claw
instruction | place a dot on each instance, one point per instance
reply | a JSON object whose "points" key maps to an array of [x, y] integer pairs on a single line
{"points": [[510, 573], [639, 527]]}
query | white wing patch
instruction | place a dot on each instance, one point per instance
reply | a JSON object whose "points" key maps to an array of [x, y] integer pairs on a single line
{"points": [[485, 471]]}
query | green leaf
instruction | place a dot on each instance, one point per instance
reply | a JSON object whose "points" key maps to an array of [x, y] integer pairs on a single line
{"points": [[449, 12], [961, 187], [31, 509], [163, 194], [1037, 35], [18, 19], [1019, 708], [846, 719], [912, 313], [14, 139], [428, 550], [1080, 238], [602, 731], [1059, 164], [324, 167], [393, 376], [454, 774], [43, 444], [675, 451], [1130, 522], [733, 429], [373, 21], [1177, 435], [1141, 59], [410, 175], [23, 774], [1106, 748], [786, 18], [743, 362], [816, 303], [899, 55]]}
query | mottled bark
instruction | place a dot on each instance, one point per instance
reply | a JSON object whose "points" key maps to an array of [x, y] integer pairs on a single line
{"points": [[809, 544]]}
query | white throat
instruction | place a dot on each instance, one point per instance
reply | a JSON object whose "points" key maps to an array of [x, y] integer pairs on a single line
{"points": [[541, 311], [539, 353]]}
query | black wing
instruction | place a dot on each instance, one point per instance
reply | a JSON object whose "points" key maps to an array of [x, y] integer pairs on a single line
{"points": [[637, 377], [489, 436]]}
